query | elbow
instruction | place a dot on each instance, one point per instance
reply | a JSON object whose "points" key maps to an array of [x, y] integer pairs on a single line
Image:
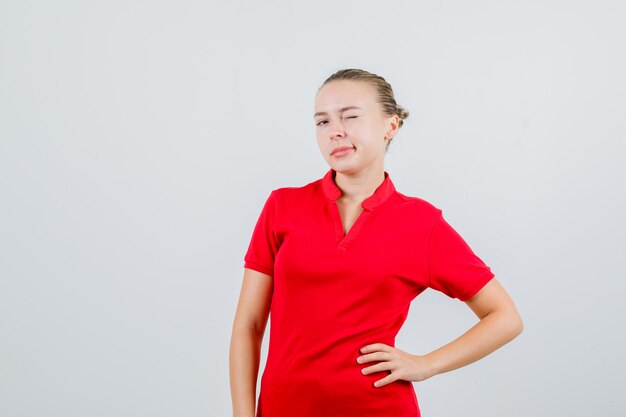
{"points": [[510, 324], [516, 325]]}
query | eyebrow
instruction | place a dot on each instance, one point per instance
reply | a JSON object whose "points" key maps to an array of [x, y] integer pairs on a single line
{"points": [[320, 113]]}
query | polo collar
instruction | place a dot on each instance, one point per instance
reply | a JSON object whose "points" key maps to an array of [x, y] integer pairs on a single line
{"points": [[381, 194]]}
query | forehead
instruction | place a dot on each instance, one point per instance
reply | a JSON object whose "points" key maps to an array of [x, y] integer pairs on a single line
{"points": [[343, 93]]}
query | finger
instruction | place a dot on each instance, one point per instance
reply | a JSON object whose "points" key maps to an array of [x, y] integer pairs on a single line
{"points": [[379, 367], [376, 356], [373, 347], [368, 358], [386, 380]]}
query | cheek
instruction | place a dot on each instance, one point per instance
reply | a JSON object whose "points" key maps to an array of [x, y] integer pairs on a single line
{"points": [[366, 130], [322, 144]]}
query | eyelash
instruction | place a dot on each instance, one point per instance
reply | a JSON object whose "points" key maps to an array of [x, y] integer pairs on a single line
{"points": [[350, 117]]}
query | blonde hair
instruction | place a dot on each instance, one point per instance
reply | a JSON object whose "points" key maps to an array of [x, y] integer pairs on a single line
{"points": [[384, 92]]}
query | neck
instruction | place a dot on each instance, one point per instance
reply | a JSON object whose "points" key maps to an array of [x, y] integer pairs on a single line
{"points": [[357, 187]]}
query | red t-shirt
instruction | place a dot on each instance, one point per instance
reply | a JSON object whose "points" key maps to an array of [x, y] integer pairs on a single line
{"points": [[334, 293]]}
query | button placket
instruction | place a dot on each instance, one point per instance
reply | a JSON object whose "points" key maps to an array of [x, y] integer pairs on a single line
{"points": [[332, 192], [343, 239]]}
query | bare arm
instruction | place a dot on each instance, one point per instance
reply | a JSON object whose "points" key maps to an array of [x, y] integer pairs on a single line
{"points": [[499, 324], [245, 344]]}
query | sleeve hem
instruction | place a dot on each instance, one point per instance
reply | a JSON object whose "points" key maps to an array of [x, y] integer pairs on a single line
{"points": [[474, 290], [259, 268]]}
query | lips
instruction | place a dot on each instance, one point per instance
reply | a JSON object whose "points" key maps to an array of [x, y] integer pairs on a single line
{"points": [[341, 148]]}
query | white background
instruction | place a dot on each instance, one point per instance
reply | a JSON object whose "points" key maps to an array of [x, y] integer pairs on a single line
{"points": [[139, 140]]}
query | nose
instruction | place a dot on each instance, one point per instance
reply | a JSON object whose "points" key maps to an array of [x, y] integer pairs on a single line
{"points": [[337, 130]]}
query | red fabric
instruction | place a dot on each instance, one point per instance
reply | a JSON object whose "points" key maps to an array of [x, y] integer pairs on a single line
{"points": [[334, 294]]}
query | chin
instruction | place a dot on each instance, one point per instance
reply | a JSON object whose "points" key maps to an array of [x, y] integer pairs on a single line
{"points": [[346, 168]]}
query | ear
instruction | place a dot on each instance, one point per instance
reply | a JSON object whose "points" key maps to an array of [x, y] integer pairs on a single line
{"points": [[391, 125]]}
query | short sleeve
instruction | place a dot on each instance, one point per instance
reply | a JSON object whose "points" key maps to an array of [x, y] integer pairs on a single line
{"points": [[453, 267], [263, 244]]}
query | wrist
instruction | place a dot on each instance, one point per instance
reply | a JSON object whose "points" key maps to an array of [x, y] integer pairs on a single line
{"points": [[424, 368], [431, 364]]}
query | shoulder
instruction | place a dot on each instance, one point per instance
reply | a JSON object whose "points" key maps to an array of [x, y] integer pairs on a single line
{"points": [[289, 195], [416, 203], [416, 206]]}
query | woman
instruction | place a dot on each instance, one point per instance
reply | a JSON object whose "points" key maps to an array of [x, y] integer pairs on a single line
{"points": [[338, 261]]}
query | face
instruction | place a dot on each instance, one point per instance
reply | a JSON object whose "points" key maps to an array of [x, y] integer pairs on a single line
{"points": [[347, 115]]}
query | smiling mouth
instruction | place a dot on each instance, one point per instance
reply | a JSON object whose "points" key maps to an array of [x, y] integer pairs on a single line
{"points": [[342, 151]]}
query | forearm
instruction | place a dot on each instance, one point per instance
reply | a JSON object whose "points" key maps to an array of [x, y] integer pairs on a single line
{"points": [[490, 333], [245, 351]]}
